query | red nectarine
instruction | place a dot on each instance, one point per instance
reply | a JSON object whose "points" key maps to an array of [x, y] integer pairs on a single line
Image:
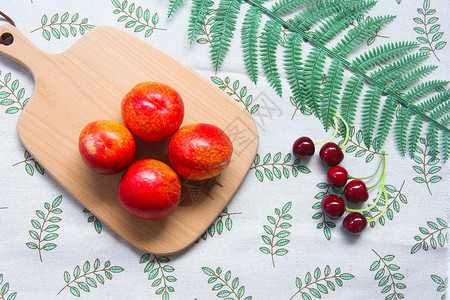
{"points": [[149, 189], [153, 111], [200, 151], [107, 147]]}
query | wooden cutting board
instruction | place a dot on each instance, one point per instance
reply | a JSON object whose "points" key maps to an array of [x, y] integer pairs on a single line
{"points": [[87, 83]]}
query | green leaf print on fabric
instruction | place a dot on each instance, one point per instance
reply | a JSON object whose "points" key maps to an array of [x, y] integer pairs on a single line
{"points": [[11, 95], [136, 17], [433, 235], [275, 234], [222, 222], [395, 199], [158, 269], [277, 166], [237, 92], [442, 285], [387, 276], [63, 26], [93, 219], [430, 34], [30, 164], [5, 294], [44, 229], [355, 145], [225, 286], [319, 283], [88, 276], [426, 167]]}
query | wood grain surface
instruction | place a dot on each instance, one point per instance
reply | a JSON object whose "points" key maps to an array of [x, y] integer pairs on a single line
{"points": [[87, 83]]}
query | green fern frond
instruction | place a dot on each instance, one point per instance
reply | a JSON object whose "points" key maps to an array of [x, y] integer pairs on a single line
{"points": [[441, 112], [431, 103], [386, 120], [269, 43], [249, 38], [223, 29], [423, 89], [199, 12], [173, 6], [283, 7], [312, 79], [414, 135], [402, 83], [445, 145], [331, 90], [371, 103], [293, 66], [320, 11], [350, 96], [401, 128], [433, 142], [360, 33], [336, 24], [382, 54], [397, 68]]}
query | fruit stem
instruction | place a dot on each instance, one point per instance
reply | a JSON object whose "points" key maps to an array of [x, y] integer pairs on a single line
{"points": [[382, 190], [347, 130], [383, 173], [382, 160], [333, 136]]}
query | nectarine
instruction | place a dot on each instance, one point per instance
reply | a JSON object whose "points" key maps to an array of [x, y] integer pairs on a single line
{"points": [[200, 151], [107, 147]]}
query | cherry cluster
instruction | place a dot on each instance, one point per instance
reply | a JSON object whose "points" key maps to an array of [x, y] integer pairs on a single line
{"points": [[355, 190]]}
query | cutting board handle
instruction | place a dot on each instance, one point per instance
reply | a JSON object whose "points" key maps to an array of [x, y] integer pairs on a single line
{"points": [[16, 46]]}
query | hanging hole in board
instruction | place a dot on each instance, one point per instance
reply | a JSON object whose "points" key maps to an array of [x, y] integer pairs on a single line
{"points": [[6, 39]]}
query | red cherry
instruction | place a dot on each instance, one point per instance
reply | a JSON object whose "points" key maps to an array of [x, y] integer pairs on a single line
{"points": [[331, 154], [356, 191], [333, 206], [303, 146], [337, 176], [354, 222]]}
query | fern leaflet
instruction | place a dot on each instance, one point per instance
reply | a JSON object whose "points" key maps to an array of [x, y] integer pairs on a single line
{"points": [[199, 12], [269, 43], [173, 6], [249, 36]]}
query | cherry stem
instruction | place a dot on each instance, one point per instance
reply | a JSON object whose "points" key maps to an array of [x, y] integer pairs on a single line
{"points": [[384, 207], [375, 202], [382, 160], [333, 136], [347, 131], [383, 173]]}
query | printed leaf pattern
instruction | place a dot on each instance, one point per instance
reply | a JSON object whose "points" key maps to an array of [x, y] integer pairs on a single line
{"points": [[326, 223], [426, 167], [276, 235], [44, 232], [320, 283], [442, 285], [236, 92], [63, 26], [435, 235], [88, 276], [11, 94], [93, 219], [395, 199], [388, 70], [158, 268], [224, 286], [429, 32], [277, 166], [30, 164], [222, 222], [355, 144], [387, 276], [5, 294], [136, 17]]}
